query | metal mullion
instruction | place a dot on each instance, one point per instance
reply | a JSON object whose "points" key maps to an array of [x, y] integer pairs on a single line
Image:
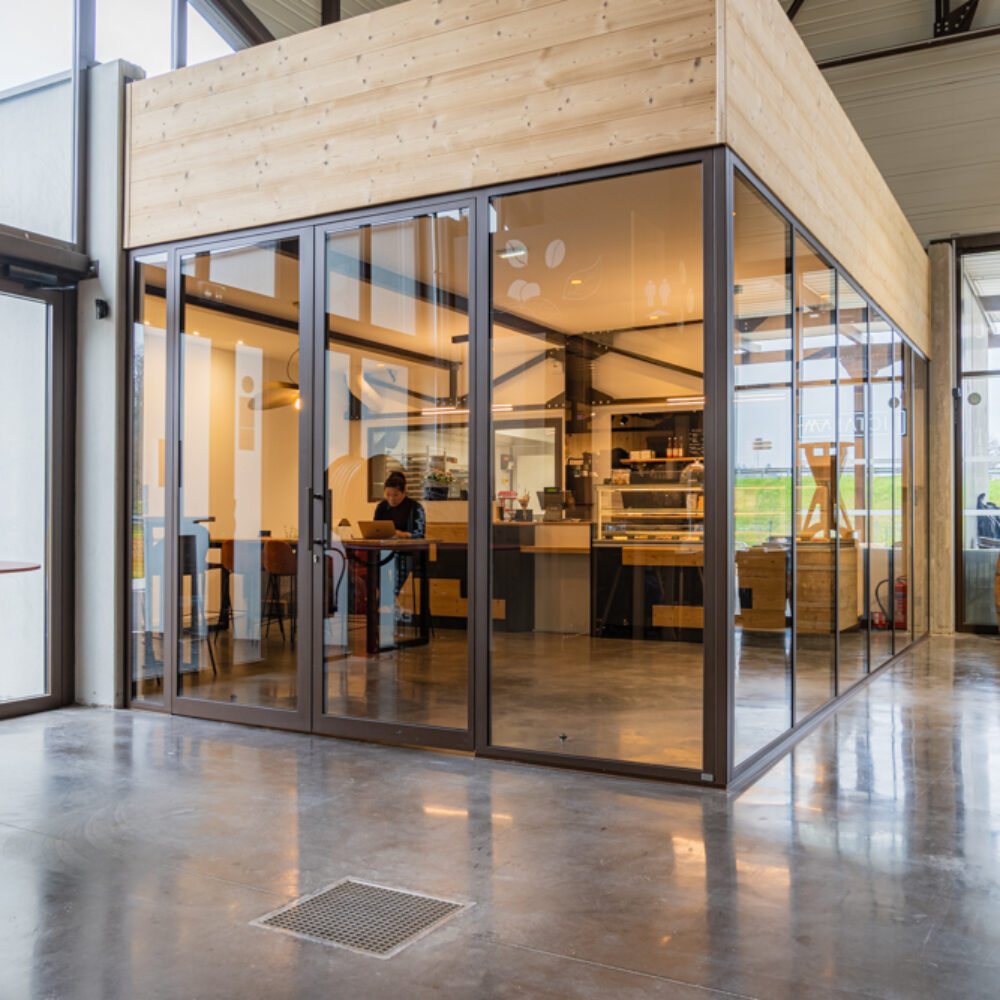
{"points": [[958, 444], [911, 573], [84, 20], [835, 499], [172, 472], [717, 331], [178, 33], [481, 577], [480, 470], [868, 488], [793, 554], [317, 595], [309, 459], [62, 507]]}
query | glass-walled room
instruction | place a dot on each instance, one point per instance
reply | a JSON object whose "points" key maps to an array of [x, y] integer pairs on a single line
{"points": [[448, 475]]}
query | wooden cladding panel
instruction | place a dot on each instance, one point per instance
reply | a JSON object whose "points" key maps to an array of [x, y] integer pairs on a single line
{"points": [[425, 98], [783, 119]]}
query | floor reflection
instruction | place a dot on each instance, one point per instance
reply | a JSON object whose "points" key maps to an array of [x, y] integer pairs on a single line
{"points": [[135, 848]]}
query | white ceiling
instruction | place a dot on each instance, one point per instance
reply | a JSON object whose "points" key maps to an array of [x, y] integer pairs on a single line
{"points": [[289, 17]]}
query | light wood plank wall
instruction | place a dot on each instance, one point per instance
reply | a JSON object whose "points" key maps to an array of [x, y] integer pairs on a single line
{"points": [[438, 96], [428, 97], [784, 121]]}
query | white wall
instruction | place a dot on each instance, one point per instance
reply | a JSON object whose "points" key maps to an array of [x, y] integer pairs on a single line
{"points": [[102, 411]]}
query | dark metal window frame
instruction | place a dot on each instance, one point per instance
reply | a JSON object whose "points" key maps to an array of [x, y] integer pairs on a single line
{"points": [[719, 165], [964, 247], [60, 472]]}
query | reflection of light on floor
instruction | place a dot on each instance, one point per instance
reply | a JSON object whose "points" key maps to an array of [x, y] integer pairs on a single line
{"points": [[765, 876], [464, 813], [666, 939], [689, 855]]}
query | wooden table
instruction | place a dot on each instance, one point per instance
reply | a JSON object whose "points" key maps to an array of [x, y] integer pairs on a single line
{"points": [[18, 567], [368, 552]]}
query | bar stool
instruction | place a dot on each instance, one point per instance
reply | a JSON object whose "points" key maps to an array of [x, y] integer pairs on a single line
{"points": [[279, 562]]}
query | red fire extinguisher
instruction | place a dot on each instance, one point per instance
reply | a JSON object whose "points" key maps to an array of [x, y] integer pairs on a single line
{"points": [[899, 602]]}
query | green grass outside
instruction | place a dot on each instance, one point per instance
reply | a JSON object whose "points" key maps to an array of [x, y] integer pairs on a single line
{"points": [[763, 506]]}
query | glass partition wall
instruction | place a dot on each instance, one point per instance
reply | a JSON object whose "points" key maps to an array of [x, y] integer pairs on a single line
{"points": [[831, 565], [598, 469], [455, 475]]}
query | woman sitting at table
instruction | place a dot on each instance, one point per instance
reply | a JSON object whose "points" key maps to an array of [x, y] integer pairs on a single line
{"points": [[406, 514], [408, 517]]}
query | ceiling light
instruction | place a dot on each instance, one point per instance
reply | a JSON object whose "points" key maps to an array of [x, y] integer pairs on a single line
{"points": [[576, 281], [298, 402], [239, 343]]}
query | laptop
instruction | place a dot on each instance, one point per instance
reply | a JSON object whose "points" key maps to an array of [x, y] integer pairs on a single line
{"points": [[377, 529]]}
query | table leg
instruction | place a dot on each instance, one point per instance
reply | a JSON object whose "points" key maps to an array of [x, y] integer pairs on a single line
{"points": [[425, 599], [372, 572]]}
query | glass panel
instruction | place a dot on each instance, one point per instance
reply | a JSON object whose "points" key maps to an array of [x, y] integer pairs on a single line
{"points": [[902, 495], [852, 492], [23, 497], [919, 585], [238, 544], [762, 476], [980, 311], [980, 432], [135, 30], [817, 466], [881, 491], [203, 41], [598, 449], [36, 117], [980, 497], [395, 628], [148, 487]]}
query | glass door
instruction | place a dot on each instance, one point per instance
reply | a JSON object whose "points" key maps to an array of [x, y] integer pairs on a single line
{"points": [[240, 561], [392, 556], [35, 511], [23, 498]]}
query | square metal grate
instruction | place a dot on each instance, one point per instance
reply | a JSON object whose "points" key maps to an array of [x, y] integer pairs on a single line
{"points": [[363, 917]]}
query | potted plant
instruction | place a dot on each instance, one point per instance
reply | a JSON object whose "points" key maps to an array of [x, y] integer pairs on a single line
{"points": [[438, 484]]}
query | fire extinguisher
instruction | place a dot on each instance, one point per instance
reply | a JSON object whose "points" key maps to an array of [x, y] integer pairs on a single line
{"points": [[899, 602]]}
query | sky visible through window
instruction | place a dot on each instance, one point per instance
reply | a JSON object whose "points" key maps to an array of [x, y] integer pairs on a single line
{"points": [[36, 39]]}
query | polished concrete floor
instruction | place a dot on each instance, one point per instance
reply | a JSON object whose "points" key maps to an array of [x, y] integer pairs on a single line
{"points": [[135, 848]]}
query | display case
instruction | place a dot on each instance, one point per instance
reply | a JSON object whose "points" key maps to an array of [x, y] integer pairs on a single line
{"points": [[665, 512]]}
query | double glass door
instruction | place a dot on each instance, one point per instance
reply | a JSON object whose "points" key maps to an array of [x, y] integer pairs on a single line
{"points": [[301, 480]]}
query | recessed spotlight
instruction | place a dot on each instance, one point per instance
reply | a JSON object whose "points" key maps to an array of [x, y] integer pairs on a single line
{"points": [[239, 343], [576, 281]]}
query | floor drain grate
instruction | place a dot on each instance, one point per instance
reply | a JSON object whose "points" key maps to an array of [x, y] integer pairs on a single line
{"points": [[362, 917]]}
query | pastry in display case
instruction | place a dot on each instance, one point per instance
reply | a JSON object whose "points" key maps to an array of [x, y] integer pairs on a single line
{"points": [[665, 512]]}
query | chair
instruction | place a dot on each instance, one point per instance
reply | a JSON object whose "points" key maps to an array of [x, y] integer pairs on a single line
{"points": [[279, 562]]}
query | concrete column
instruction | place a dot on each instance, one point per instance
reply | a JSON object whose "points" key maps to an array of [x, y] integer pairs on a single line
{"points": [[102, 407], [941, 439]]}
